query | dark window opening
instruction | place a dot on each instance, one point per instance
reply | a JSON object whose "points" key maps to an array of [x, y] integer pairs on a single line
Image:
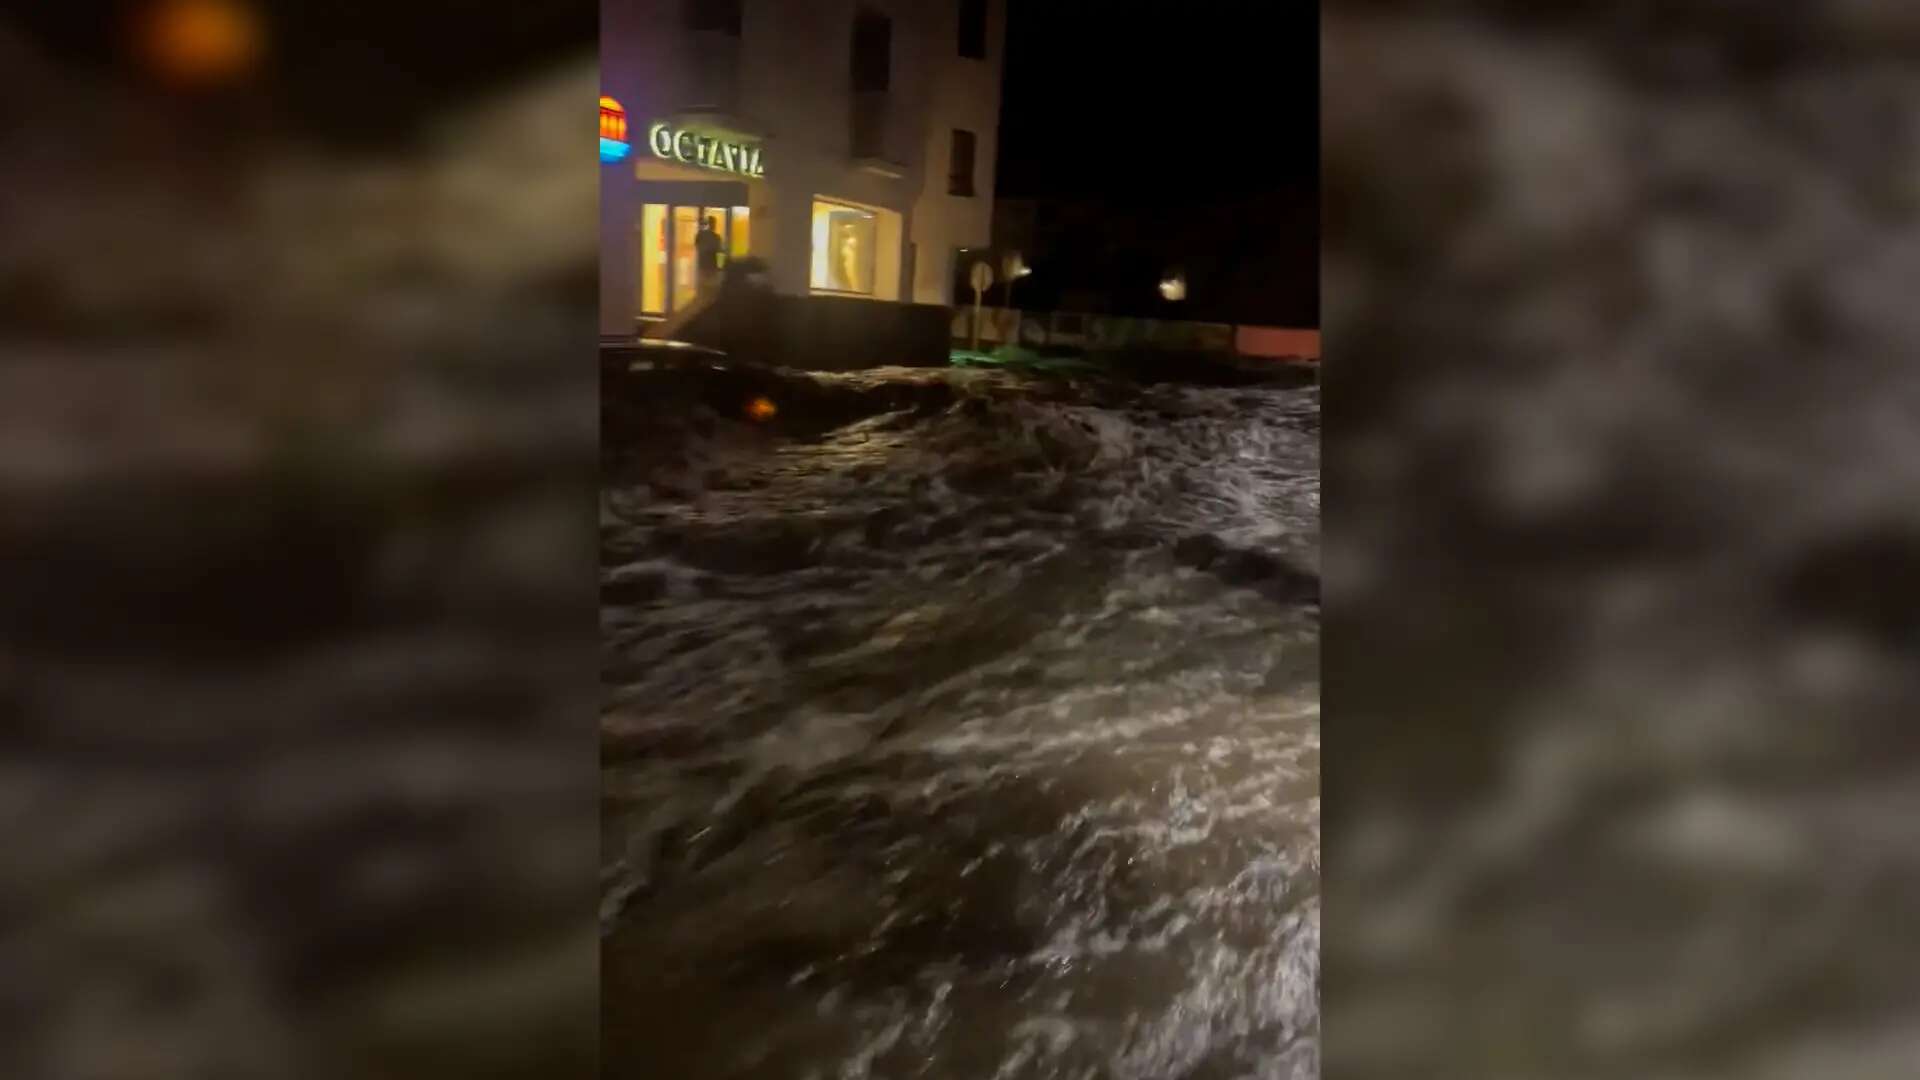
{"points": [[960, 164], [716, 15], [872, 52], [973, 29]]}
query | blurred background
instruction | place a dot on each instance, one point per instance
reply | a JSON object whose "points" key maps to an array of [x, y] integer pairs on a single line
{"points": [[297, 426], [299, 674], [1621, 551]]}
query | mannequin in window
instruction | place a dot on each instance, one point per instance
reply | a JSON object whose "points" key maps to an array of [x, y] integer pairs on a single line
{"points": [[850, 261]]}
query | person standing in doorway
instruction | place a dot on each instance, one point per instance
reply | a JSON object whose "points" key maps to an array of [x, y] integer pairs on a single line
{"points": [[706, 249]]}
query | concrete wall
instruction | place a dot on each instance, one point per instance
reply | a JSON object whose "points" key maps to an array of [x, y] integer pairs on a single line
{"points": [[819, 333]]}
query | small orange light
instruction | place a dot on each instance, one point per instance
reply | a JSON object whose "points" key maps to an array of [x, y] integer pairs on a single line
{"points": [[761, 408], [202, 42]]}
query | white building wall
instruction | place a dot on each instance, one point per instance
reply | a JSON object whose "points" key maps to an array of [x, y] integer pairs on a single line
{"points": [[965, 95], [790, 83]]}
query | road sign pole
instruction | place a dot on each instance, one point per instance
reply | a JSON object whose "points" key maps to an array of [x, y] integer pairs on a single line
{"points": [[981, 277]]}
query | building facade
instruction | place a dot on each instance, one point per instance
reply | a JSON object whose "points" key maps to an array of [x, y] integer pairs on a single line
{"points": [[850, 144]]}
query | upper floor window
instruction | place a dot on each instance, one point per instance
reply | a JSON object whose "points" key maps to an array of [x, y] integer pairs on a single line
{"points": [[960, 164], [718, 15], [973, 29], [872, 51]]}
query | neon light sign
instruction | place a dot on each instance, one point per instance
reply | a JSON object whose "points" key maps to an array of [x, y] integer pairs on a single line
{"points": [[706, 149], [613, 131]]}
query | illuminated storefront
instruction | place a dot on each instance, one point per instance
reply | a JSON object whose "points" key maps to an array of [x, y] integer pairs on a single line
{"points": [[859, 184], [685, 174], [669, 256]]}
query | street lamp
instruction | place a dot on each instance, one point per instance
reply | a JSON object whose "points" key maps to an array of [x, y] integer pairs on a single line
{"points": [[1013, 267], [1173, 287]]}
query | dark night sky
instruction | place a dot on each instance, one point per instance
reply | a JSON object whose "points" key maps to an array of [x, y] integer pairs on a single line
{"points": [[1179, 134], [1182, 101]]}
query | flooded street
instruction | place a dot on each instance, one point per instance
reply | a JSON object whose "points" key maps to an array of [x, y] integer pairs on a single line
{"points": [[971, 731]]}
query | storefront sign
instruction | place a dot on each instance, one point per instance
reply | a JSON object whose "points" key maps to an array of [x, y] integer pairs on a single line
{"points": [[613, 131], [708, 150]]}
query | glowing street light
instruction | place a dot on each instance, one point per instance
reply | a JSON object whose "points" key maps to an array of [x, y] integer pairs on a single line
{"points": [[1013, 267], [1173, 287]]}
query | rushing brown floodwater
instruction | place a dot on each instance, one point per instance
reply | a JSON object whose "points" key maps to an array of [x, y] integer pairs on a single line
{"points": [[972, 739]]}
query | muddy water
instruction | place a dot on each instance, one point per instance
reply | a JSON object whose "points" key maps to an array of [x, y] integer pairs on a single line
{"points": [[973, 739]]}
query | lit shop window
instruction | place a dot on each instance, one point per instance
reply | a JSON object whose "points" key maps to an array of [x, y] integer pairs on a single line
{"points": [[686, 225], [856, 250], [843, 248], [653, 259], [742, 224], [670, 272]]}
